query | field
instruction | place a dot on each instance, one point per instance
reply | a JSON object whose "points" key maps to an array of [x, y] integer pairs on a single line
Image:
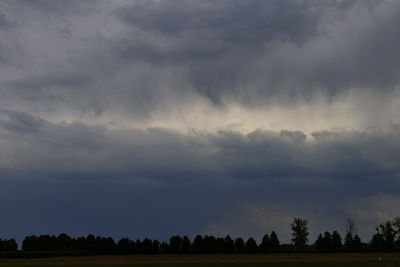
{"points": [[210, 260]]}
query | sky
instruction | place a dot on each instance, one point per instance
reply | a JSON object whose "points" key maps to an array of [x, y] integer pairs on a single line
{"points": [[150, 118]]}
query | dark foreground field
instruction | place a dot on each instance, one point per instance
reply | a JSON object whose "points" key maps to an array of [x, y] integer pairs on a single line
{"points": [[211, 260]]}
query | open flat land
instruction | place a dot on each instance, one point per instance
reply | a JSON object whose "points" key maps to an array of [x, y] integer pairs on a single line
{"points": [[211, 260]]}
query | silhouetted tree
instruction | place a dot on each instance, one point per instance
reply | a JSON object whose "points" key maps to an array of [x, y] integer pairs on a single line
{"points": [[81, 244], [164, 247], [105, 245], [357, 244], [30, 243], [209, 244], [336, 241], [265, 244], [63, 242], [220, 245], [319, 243], [175, 244], [388, 234], [229, 244], [348, 242], [376, 242], [239, 245], [251, 245], [137, 246], [156, 247], [147, 246], [186, 245], [46, 243], [8, 245], [198, 244], [91, 241], [327, 241], [350, 227], [300, 234], [125, 246], [274, 241], [396, 226]]}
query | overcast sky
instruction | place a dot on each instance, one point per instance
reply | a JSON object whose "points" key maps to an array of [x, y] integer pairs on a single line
{"points": [[150, 118]]}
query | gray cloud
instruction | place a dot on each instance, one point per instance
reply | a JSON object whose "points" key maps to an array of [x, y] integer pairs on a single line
{"points": [[82, 81], [128, 173]]}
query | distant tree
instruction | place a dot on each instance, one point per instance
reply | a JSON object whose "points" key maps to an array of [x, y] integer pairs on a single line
{"points": [[137, 246], [105, 245], [175, 244], [274, 241], [388, 233], [186, 245], [319, 243], [336, 241], [357, 244], [229, 244], [46, 243], [396, 226], [348, 242], [91, 240], [220, 245], [376, 242], [327, 241], [198, 244], [251, 245], [300, 234], [63, 242], [147, 246], [265, 244], [8, 245], [350, 227], [125, 246], [164, 247], [239, 245], [209, 244], [30, 243], [156, 247], [81, 244]]}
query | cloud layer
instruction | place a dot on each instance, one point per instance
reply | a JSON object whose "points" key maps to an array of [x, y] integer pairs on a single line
{"points": [[153, 118]]}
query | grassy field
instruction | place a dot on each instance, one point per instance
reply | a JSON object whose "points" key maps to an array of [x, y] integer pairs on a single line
{"points": [[210, 260]]}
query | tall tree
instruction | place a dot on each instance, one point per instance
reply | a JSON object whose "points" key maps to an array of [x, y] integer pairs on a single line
{"points": [[175, 244], [251, 245], [229, 244], [125, 246], [274, 241], [239, 245], [336, 241], [299, 234], [388, 233], [198, 246], [327, 241], [265, 244], [348, 242], [186, 245], [319, 243], [357, 244], [350, 227]]}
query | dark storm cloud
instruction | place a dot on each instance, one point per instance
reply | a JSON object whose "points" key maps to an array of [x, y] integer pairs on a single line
{"points": [[256, 53], [125, 63], [234, 22], [138, 177], [301, 46]]}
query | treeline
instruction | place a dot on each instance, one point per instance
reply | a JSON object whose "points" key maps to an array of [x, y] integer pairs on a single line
{"points": [[386, 239], [8, 245], [176, 244]]}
